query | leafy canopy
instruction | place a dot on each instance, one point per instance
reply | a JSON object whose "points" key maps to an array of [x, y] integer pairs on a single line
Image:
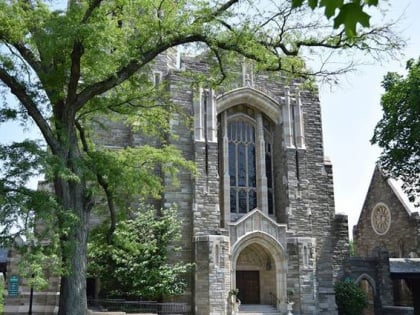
{"points": [[398, 131]]}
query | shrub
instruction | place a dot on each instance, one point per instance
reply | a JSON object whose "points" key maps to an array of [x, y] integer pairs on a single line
{"points": [[350, 298]]}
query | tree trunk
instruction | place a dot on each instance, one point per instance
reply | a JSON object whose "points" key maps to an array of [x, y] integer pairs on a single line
{"points": [[73, 299], [74, 224]]}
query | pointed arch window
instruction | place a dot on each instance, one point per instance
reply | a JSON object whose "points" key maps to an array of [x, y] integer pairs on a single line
{"points": [[242, 168], [247, 161]]}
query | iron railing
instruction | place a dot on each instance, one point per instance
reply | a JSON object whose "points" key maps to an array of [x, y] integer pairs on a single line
{"points": [[139, 306]]}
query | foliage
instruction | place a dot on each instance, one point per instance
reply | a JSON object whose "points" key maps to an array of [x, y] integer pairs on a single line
{"points": [[69, 69], [344, 13], [350, 298], [398, 131], [136, 263]]}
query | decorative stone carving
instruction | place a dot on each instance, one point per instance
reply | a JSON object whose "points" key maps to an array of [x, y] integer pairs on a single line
{"points": [[381, 219]]}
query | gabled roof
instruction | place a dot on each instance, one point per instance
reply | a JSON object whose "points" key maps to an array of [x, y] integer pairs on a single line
{"points": [[396, 186]]}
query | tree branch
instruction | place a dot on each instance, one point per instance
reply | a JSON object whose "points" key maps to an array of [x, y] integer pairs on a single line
{"points": [[19, 90], [94, 4], [103, 183], [28, 56], [76, 55], [131, 67], [223, 8]]}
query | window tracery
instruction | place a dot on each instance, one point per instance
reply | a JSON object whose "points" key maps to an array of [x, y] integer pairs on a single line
{"points": [[248, 161]]}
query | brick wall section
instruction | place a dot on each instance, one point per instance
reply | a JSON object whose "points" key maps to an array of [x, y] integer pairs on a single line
{"points": [[207, 215], [182, 193], [341, 245], [376, 269]]}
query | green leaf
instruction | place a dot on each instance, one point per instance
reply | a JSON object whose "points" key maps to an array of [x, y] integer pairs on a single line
{"points": [[313, 4], [331, 6], [372, 2], [351, 14], [297, 3]]}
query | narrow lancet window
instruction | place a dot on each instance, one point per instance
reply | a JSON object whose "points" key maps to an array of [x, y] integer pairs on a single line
{"points": [[242, 169]]}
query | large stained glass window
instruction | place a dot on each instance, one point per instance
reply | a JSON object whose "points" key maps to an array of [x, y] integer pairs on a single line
{"points": [[247, 164], [242, 169]]}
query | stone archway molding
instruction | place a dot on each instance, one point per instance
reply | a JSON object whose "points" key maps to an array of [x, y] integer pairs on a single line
{"points": [[277, 252], [365, 276], [252, 97]]}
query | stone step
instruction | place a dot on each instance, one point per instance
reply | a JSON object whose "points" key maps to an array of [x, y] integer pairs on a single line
{"points": [[257, 309]]}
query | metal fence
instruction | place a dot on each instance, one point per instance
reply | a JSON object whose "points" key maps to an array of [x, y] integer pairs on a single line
{"points": [[139, 306]]}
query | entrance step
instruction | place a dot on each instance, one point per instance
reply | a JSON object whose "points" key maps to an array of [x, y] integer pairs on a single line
{"points": [[257, 309]]}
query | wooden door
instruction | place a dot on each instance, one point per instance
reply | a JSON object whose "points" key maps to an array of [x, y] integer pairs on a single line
{"points": [[248, 283]]}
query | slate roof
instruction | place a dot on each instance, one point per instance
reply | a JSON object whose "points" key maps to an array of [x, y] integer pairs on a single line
{"points": [[3, 255], [405, 266], [401, 195]]}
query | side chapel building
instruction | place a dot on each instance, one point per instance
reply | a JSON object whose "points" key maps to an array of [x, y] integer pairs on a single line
{"points": [[387, 248], [259, 216]]}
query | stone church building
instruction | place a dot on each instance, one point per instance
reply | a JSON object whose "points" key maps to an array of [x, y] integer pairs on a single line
{"points": [[259, 216], [387, 248]]}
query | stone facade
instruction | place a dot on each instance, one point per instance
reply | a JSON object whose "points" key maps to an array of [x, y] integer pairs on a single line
{"points": [[259, 214], [372, 274], [401, 238], [275, 236], [387, 223]]}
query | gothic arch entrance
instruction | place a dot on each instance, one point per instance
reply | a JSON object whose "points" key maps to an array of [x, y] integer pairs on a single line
{"points": [[367, 284], [259, 270]]}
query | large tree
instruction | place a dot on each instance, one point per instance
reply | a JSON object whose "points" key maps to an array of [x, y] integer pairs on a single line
{"points": [[65, 67], [398, 131]]}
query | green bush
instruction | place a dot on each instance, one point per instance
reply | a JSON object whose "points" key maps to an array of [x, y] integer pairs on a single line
{"points": [[350, 298]]}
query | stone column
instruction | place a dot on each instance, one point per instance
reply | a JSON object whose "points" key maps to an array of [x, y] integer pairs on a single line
{"points": [[288, 120], [212, 277], [226, 177], [260, 166]]}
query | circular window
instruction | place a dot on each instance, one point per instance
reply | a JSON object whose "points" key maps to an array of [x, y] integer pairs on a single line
{"points": [[381, 219]]}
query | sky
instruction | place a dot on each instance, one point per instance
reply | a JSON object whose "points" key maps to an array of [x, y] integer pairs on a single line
{"points": [[350, 111]]}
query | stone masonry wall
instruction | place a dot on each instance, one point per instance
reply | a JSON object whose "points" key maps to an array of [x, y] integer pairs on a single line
{"points": [[401, 238], [303, 190]]}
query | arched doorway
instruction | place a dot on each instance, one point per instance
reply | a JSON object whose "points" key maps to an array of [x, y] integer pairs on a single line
{"points": [[367, 284], [259, 270], [255, 275]]}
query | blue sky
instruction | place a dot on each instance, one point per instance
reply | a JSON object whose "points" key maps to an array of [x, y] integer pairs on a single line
{"points": [[350, 111]]}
